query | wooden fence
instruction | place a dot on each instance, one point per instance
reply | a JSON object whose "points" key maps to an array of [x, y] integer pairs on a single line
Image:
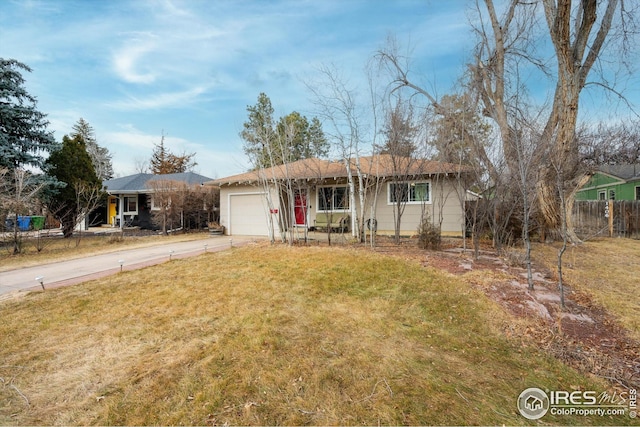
{"points": [[608, 218]]}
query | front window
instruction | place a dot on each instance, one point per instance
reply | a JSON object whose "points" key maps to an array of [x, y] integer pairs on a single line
{"points": [[131, 204], [612, 194], [333, 199], [409, 192], [160, 202], [602, 195], [637, 193]]}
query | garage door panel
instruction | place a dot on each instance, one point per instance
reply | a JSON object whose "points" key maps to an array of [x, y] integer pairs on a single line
{"points": [[247, 215]]}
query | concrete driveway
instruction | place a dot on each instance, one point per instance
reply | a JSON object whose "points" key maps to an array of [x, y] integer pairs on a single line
{"points": [[64, 273]]}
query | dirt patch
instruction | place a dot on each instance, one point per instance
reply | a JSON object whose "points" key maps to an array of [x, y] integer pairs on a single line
{"points": [[582, 334]]}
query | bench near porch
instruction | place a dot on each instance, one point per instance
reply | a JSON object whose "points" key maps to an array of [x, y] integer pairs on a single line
{"points": [[333, 221]]}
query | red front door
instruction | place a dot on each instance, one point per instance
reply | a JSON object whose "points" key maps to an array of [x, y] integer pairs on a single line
{"points": [[300, 208]]}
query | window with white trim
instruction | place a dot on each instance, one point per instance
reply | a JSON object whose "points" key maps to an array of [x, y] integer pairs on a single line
{"points": [[612, 194], [131, 204], [409, 192], [602, 195], [638, 193], [157, 205], [333, 198]]}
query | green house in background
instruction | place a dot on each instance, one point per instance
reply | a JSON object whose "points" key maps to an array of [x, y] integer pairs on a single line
{"points": [[612, 182]]}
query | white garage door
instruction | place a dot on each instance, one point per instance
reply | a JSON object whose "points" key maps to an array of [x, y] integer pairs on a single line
{"points": [[247, 215]]}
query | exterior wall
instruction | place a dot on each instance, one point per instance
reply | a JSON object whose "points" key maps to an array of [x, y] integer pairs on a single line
{"points": [[600, 182], [444, 198]]}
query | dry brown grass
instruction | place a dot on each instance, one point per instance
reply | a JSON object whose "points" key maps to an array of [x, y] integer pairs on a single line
{"points": [[57, 248], [606, 269], [269, 335]]}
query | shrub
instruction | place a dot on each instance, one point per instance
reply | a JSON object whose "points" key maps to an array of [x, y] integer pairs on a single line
{"points": [[115, 238], [428, 234]]}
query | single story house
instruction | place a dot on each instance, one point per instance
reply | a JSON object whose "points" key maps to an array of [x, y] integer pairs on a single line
{"points": [[131, 199], [316, 194], [612, 182]]}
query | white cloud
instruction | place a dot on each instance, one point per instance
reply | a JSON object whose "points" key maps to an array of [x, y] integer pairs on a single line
{"points": [[159, 100], [127, 60]]}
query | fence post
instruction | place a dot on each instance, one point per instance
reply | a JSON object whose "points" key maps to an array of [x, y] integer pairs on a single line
{"points": [[610, 218]]}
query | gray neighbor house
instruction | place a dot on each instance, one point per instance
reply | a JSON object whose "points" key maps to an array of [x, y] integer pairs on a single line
{"points": [[130, 200]]}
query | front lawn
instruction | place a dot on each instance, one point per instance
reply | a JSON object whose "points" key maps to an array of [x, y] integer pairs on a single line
{"points": [[271, 335]]}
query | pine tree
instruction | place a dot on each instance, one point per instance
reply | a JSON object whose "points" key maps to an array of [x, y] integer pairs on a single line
{"points": [[165, 162], [159, 164], [72, 166], [100, 156], [259, 134], [269, 143], [24, 138]]}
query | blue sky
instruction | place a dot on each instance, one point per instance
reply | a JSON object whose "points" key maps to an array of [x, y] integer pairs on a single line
{"points": [[135, 69]]}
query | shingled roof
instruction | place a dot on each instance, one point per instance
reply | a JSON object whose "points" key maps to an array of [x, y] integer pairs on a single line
{"points": [[380, 166], [140, 182], [626, 172]]}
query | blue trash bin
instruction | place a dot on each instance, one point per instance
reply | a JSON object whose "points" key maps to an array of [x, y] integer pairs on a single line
{"points": [[24, 222]]}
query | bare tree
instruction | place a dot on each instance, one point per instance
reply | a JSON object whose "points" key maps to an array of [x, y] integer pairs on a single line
{"points": [[579, 34], [337, 105], [561, 188], [141, 165], [163, 205], [262, 132], [287, 186], [577, 50], [526, 147], [177, 205], [88, 198], [19, 190], [400, 130], [376, 181], [609, 144]]}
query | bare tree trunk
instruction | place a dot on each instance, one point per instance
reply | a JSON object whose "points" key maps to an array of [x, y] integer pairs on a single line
{"points": [[575, 58], [564, 231]]}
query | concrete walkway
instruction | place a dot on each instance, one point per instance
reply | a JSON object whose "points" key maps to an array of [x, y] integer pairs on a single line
{"points": [[64, 273]]}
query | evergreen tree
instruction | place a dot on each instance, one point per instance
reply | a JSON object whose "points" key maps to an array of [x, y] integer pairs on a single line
{"points": [[72, 166], [165, 162], [159, 162], [258, 132], [319, 146], [24, 137], [300, 139], [100, 156], [400, 131], [292, 138], [460, 133]]}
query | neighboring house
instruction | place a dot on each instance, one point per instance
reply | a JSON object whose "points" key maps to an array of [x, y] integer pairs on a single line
{"points": [[314, 193], [131, 198], [612, 182]]}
